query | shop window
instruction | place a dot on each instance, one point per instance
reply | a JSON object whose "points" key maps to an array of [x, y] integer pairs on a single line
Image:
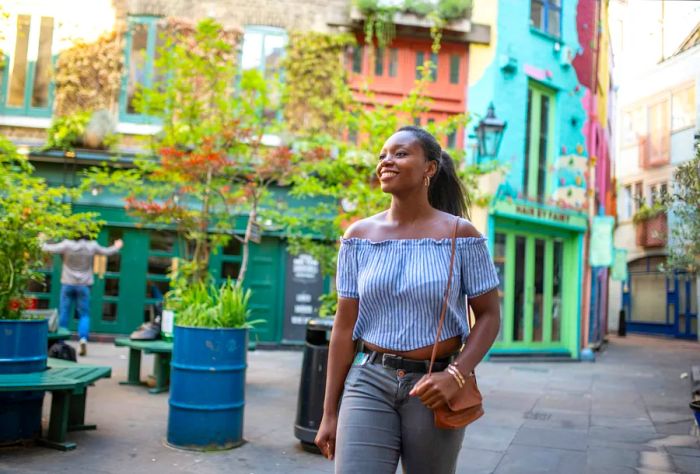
{"points": [[683, 109], [379, 62], [545, 15], [27, 88], [357, 53], [420, 65], [539, 141], [454, 68], [393, 62], [142, 44]]}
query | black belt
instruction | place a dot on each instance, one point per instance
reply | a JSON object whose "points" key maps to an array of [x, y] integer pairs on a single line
{"points": [[397, 362]]}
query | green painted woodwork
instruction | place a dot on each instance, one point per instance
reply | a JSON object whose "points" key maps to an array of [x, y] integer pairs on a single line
{"points": [[265, 278], [571, 263], [538, 183], [552, 220]]}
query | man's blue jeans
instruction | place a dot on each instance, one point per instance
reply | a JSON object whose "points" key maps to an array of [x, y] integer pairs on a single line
{"points": [[80, 295]]}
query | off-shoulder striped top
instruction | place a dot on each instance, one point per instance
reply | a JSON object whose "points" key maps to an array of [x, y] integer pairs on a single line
{"points": [[400, 285]]}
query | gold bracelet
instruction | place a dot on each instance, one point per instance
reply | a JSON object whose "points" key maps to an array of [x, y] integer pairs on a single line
{"points": [[455, 376], [461, 377]]}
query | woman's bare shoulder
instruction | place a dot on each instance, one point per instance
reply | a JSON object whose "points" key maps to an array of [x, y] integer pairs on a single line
{"points": [[363, 228], [467, 229]]}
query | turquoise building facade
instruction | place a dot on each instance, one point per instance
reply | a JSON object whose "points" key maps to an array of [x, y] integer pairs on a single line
{"points": [[537, 220]]}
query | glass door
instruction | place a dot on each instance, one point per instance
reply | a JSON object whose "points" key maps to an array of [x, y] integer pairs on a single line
{"points": [[532, 290]]}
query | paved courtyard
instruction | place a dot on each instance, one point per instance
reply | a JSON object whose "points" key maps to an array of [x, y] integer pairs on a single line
{"points": [[626, 413]]}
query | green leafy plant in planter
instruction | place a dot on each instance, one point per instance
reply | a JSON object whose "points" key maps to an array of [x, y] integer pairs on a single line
{"points": [[208, 306], [647, 212]]}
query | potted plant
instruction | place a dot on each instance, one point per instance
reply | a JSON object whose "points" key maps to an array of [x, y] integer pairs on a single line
{"points": [[207, 388], [28, 208]]}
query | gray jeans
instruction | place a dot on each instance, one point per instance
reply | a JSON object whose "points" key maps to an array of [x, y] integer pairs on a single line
{"points": [[380, 423]]}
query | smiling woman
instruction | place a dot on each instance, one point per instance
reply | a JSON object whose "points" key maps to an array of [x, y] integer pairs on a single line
{"points": [[394, 284]]}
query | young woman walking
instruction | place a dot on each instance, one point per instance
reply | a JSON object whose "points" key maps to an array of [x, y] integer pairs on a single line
{"points": [[392, 274]]}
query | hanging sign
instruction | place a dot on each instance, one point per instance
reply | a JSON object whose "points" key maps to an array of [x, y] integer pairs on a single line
{"points": [[601, 244], [619, 269]]}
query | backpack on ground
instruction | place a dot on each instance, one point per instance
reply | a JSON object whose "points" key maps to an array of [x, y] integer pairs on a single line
{"points": [[61, 350]]}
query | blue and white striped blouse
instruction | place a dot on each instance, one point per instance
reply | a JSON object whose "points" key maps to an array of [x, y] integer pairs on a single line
{"points": [[400, 285]]}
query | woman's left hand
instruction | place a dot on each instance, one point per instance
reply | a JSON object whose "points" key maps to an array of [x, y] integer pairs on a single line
{"points": [[435, 390]]}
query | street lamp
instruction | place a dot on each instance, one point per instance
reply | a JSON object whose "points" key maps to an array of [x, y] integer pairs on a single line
{"points": [[489, 134]]}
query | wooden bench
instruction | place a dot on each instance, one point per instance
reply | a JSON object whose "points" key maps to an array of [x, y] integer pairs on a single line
{"points": [[61, 334], [67, 381], [162, 351]]}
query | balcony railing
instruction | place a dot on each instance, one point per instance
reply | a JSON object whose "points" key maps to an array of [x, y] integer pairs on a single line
{"points": [[652, 232]]}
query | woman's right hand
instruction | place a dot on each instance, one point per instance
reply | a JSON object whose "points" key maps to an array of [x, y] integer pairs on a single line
{"points": [[325, 438]]}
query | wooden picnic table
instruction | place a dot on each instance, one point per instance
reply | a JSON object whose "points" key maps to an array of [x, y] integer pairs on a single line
{"points": [[68, 382]]}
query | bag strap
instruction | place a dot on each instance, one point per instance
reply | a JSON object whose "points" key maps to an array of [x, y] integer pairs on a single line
{"points": [[445, 297]]}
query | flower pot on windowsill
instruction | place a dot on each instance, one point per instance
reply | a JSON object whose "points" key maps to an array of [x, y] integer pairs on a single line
{"points": [[22, 350]]}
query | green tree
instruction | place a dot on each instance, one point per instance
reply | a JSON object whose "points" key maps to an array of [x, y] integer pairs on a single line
{"points": [[28, 208], [683, 205], [208, 166]]}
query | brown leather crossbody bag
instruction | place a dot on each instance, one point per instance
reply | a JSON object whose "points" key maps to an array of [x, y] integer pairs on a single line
{"points": [[465, 406]]}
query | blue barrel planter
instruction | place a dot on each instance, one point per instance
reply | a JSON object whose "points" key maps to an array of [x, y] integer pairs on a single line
{"points": [[207, 388], [22, 350]]}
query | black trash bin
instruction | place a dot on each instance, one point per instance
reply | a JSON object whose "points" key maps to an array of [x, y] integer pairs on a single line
{"points": [[312, 385]]}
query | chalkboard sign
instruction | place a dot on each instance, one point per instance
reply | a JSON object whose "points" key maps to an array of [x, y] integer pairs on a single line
{"points": [[303, 287]]}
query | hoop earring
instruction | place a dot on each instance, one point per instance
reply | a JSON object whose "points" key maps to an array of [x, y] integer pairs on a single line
{"points": [[426, 181]]}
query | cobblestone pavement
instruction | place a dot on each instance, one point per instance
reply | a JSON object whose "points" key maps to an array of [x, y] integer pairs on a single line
{"points": [[625, 413]]}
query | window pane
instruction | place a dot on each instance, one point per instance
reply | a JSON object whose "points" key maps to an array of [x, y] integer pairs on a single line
{"points": [[111, 286], [433, 67], [537, 14], [252, 50], [393, 62], [499, 260], [542, 158], [163, 242], [159, 265], [519, 309], [528, 128], [109, 311], [420, 59], [42, 74], [683, 109], [553, 15], [233, 247], [137, 64], [379, 62], [557, 286], [452, 139], [454, 69], [538, 303], [157, 288], [18, 73], [230, 270], [274, 50], [357, 59]]}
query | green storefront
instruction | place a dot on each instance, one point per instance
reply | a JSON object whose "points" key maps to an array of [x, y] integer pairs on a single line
{"points": [[537, 250], [134, 280]]}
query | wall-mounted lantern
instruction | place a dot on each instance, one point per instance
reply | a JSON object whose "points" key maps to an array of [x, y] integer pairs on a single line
{"points": [[489, 133]]}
